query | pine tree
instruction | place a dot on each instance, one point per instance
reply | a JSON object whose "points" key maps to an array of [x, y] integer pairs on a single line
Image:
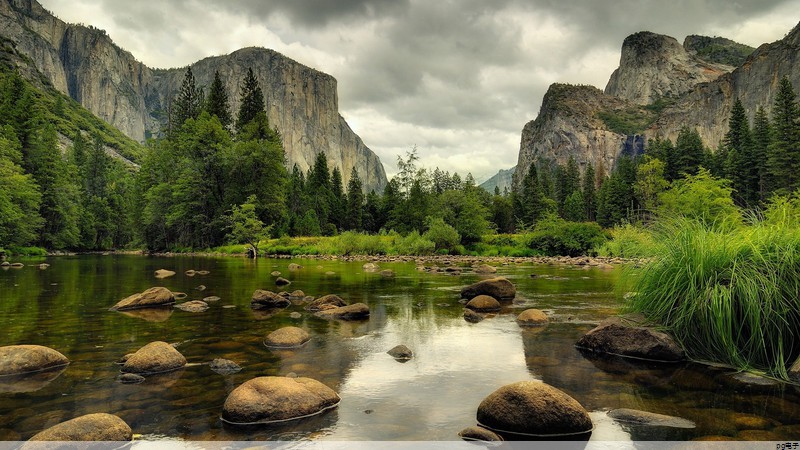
{"points": [[252, 101], [188, 104], [217, 103], [590, 192], [355, 202], [761, 140], [337, 200], [783, 157], [20, 197], [689, 152], [739, 165]]}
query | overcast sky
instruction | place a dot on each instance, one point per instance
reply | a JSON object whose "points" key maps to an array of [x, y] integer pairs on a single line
{"points": [[458, 79]]}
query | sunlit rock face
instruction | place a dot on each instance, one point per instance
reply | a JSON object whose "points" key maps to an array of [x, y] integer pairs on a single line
{"points": [[83, 62]]}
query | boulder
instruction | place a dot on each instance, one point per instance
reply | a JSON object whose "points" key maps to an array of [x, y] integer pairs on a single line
{"points": [[295, 315], [21, 359], [297, 294], [211, 298], [275, 273], [17, 265], [277, 399], [193, 306], [532, 318], [484, 303], [499, 288], [485, 268], [164, 273], [130, 378], [280, 281], [294, 266], [387, 273], [616, 337], [267, 299], [326, 302], [287, 337], [155, 357], [370, 267], [532, 409], [472, 317], [224, 366], [636, 417], [356, 311], [478, 434], [43, 266], [91, 427], [155, 296], [190, 273], [401, 352]]}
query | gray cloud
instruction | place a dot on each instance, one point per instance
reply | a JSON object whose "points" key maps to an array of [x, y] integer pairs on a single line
{"points": [[457, 78]]}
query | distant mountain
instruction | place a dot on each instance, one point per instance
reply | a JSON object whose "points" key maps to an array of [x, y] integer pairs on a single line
{"points": [[84, 62], [659, 88], [501, 179]]}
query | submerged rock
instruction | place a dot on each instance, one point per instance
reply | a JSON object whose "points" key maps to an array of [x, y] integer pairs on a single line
{"points": [[155, 357], [472, 317], [387, 273], [637, 417], [153, 297], [287, 337], [401, 352], [224, 366], [130, 378], [532, 409], [293, 266], [474, 433], [277, 399], [485, 268], [280, 281], [164, 273], [532, 318], [370, 267], [484, 303], [275, 273], [193, 306], [29, 382], [326, 302], [356, 311], [212, 298], [267, 299], [499, 288], [22, 359], [91, 427], [297, 294], [616, 337]]}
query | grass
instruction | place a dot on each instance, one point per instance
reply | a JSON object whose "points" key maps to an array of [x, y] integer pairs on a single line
{"points": [[727, 295], [24, 251]]}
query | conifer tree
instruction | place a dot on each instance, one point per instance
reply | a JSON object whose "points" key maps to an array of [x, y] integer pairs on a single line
{"points": [[689, 152], [188, 104], [739, 165], [783, 156], [590, 192], [217, 103], [252, 101], [355, 202], [762, 137]]}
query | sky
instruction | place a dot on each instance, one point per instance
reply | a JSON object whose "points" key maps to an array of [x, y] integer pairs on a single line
{"points": [[456, 79]]}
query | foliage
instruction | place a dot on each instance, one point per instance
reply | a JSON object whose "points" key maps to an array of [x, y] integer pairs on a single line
{"points": [[251, 102], [627, 121], [554, 237], [703, 198], [245, 226], [442, 235], [727, 295], [628, 241], [413, 244]]}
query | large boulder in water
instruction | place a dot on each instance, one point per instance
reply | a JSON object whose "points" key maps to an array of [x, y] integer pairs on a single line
{"points": [[155, 357], [498, 287], [277, 399], [164, 273], [151, 298], [21, 359], [484, 303], [91, 427], [532, 409], [329, 301], [267, 299], [193, 306], [287, 337], [532, 318], [617, 337], [356, 311]]}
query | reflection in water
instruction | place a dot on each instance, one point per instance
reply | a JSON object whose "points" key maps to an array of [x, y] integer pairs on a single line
{"points": [[29, 382], [431, 397]]}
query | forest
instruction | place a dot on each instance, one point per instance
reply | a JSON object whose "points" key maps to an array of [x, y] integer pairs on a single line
{"points": [[217, 178]]}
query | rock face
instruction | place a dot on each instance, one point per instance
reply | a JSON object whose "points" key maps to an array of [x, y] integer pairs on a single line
{"points": [[532, 409], [654, 66], [84, 63], [91, 427], [267, 299], [501, 180], [155, 357], [618, 338], [499, 288], [287, 337], [153, 297], [277, 399], [21, 359]]}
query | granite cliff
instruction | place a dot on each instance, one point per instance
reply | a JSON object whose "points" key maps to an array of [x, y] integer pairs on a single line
{"points": [[84, 63], [659, 88], [501, 180]]}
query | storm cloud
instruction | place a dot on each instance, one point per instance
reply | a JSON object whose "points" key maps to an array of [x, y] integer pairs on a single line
{"points": [[458, 79]]}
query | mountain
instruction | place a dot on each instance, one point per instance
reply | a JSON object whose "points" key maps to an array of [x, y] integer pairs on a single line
{"points": [[501, 180], [83, 62], [659, 88]]}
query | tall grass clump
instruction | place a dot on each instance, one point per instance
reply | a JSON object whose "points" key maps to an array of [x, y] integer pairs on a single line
{"points": [[628, 241], [729, 295]]}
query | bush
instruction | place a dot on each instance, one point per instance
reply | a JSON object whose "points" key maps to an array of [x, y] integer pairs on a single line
{"points": [[443, 236], [352, 243], [628, 241], [413, 244], [727, 295], [557, 237], [14, 250]]}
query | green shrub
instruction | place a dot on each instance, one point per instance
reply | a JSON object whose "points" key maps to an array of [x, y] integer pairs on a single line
{"points": [[353, 243], [557, 237], [727, 295], [14, 250], [628, 241], [414, 244], [443, 236]]}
